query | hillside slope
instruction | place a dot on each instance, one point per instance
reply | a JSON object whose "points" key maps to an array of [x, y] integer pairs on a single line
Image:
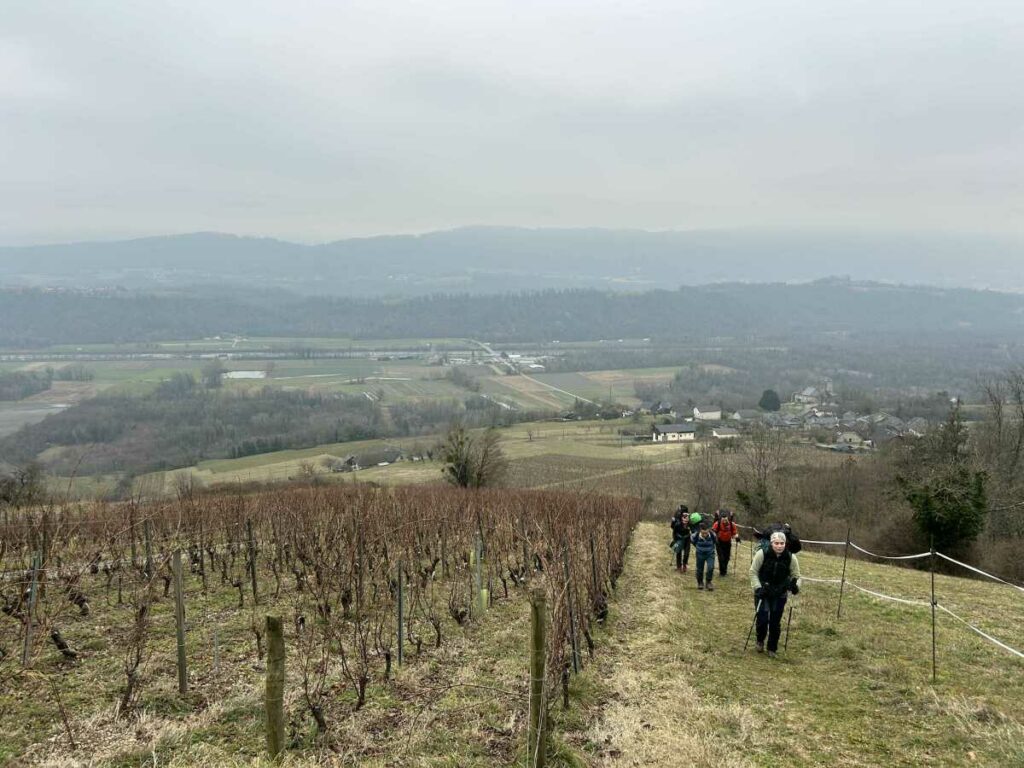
{"points": [[676, 687]]}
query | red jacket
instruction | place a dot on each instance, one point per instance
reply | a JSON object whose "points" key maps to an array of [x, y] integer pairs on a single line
{"points": [[725, 530]]}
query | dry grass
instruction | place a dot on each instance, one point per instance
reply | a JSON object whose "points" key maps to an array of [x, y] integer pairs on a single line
{"points": [[851, 692]]}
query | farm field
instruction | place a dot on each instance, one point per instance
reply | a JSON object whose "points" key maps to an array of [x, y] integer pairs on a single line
{"points": [[541, 454], [252, 344], [597, 385]]}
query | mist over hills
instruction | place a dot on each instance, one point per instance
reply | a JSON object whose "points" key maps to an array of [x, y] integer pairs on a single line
{"points": [[492, 259]]}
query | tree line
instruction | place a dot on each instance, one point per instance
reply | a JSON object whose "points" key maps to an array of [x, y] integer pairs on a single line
{"points": [[33, 318]]}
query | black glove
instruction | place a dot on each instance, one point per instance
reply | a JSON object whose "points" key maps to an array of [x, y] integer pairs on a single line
{"points": [[794, 587], [758, 593]]}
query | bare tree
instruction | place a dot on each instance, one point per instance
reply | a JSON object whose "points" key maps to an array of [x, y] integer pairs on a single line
{"points": [[762, 456], [473, 461], [707, 480]]}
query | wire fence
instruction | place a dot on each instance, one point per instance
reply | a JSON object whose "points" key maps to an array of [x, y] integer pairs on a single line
{"points": [[933, 603]]}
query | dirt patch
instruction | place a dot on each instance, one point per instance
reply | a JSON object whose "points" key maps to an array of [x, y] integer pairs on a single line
{"points": [[64, 393]]}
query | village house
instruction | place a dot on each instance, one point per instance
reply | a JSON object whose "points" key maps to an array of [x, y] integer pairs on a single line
{"points": [[673, 433], [917, 427], [807, 396], [848, 438], [746, 415], [707, 413], [725, 433]]}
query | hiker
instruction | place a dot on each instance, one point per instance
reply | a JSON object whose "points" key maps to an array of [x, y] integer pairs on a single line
{"points": [[704, 546], [725, 531], [772, 575], [681, 537], [793, 544]]}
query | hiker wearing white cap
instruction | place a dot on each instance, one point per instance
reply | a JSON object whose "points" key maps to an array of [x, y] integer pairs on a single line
{"points": [[773, 574]]}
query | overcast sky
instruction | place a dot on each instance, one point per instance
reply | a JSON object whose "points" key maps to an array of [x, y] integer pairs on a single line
{"points": [[315, 121]]}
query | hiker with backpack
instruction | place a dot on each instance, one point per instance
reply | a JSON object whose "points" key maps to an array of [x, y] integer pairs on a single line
{"points": [[773, 574], [681, 537], [725, 531], [704, 546], [793, 544]]}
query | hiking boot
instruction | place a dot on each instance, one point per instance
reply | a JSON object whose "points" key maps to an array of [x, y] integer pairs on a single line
{"points": [[700, 585], [680, 569], [772, 654], [760, 647], [684, 567], [711, 587]]}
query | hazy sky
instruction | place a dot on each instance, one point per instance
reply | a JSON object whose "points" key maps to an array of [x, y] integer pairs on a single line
{"points": [[320, 120]]}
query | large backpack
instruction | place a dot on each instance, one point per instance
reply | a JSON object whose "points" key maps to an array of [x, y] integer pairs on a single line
{"points": [[793, 544]]}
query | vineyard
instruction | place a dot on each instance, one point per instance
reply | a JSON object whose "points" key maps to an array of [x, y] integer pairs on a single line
{"points": [[133, 628]]}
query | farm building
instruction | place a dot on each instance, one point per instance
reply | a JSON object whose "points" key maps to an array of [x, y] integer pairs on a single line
{"points": [[707, 413], [673, 433]]}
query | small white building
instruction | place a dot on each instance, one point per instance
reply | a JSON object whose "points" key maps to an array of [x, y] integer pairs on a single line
{"points": [[725, 433], [807, 396], [848, 438], [707, 413], [673, 433]]}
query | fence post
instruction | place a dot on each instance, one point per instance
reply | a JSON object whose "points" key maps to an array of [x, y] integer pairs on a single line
{"points": [[26, 653], [252, 561], [537, 735], [593, 566], [931, 562], [842, 581], [275, 686], [572, 614], [401, 613], [179, 622]]}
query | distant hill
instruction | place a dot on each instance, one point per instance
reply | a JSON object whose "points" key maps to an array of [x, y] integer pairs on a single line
{"points": [[827, 308], [491, 259]]}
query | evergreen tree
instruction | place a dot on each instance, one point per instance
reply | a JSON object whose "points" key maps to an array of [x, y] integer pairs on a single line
{"points": [[769, 401], [945, 490]]}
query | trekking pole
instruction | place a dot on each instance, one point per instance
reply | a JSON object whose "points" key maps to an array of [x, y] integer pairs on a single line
{"points": [[789, 621], [752, 623]]}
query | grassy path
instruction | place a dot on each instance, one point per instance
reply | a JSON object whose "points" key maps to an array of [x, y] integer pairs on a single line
{"points": [[672, 685], [652, 715]]}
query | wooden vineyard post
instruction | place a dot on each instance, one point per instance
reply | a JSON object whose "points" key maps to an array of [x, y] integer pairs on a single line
{"points": [[179, 622], [537, 735], [572, 614], [275, 686], [131, 527], [527, 560], [149, 548], [26, 654], [478, 580], [401, 613], [252, 561]]}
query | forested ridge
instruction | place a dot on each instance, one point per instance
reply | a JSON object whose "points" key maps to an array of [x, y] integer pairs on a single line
{"points": [[34, 318]]}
